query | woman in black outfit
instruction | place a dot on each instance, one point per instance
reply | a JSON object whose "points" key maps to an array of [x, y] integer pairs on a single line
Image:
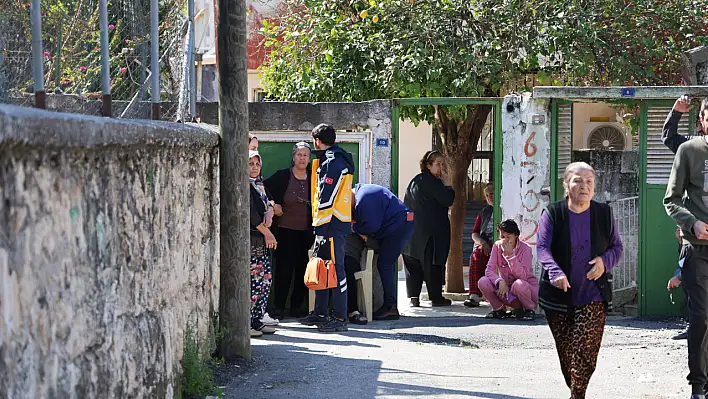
{"points": [[429, 196], [262, 242], [290, 189]]}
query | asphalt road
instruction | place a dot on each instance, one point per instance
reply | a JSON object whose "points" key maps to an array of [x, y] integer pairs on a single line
{"points": [[456, 353]]}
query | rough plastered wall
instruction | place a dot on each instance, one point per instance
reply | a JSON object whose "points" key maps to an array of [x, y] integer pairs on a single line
{"points": [[526, 164], [109, 245]]}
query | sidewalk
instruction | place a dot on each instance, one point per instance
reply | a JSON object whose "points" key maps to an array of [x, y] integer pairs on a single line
{"points": [[455, 352]]}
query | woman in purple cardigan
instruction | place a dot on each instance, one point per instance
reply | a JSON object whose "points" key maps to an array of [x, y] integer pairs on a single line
{"points": [[578, 244]]}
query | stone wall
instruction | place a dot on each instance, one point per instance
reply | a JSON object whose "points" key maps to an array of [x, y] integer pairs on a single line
{"points": [[109, 246], [617, 172]]}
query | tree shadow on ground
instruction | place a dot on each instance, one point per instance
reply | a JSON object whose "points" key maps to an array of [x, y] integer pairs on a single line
{"points": [[289, 371]]}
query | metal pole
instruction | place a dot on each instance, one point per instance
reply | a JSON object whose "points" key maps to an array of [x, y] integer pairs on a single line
{"points": [[40, 98], [190, 59], [234, 271], [155, 59], [105, 61]]}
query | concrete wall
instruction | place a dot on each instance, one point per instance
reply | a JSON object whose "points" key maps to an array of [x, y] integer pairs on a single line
{"points": [[414, 142], [109, 245], [526, 163]]}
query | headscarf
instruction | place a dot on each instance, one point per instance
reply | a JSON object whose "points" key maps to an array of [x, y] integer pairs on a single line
{"points": [[256, 182]]}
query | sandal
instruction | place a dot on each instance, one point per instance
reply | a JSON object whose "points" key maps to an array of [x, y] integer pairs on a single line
{"points": [[499, 314], [357, 318]]}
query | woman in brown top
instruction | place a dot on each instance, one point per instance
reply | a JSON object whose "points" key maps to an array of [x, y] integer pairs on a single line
{"points": [[290, 189]]}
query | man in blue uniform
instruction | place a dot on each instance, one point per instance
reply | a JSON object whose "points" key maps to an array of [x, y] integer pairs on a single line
{"points": [[381, 215]]}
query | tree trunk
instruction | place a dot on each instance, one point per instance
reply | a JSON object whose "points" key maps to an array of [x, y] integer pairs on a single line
{"points": [[235, 276], [459, 143]]}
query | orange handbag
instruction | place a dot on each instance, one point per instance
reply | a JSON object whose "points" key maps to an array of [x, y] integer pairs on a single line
{"points": [[321, 274]]}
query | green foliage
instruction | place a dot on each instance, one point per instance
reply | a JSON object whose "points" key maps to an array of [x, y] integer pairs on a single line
{"points": [[357, 50], [198, 365], [71, 38]]}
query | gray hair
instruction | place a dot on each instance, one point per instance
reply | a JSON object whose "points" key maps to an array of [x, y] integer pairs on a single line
{"points": [[571, 169]]}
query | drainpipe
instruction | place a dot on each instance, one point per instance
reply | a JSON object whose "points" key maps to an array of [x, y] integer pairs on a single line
{"points": [[40, 97]]}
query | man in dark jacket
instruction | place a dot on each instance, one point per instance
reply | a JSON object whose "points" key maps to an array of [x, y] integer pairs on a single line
{"points": [[382, 216], [672, 139], [331, 217], [685, 203]]}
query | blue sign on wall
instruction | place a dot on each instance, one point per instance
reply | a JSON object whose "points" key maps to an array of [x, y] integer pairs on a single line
{"points": [[628, 92], [382, 142]]}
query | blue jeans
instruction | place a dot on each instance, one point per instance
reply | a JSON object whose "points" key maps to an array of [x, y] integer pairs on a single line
{"points": [[322, 250]]}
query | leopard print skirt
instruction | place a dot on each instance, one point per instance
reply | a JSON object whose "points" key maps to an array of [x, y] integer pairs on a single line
{"points": [[578, 337]]}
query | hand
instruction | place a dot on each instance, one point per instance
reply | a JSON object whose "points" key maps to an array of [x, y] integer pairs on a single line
{"points": [[700, 230], [363, 237], [270, 240], [683, 104], [674, 282], [598, 268], [486, 249], [562, 283], [507, 247], [444, 177], [278, 210], [503, 289]]}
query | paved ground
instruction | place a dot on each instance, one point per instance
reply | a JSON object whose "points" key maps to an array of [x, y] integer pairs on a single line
{"points": [[457, 353]]}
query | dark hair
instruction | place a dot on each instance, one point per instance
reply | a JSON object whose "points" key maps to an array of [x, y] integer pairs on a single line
{"points": [[429, 158], [251, 137], [509, 226], [325, 133]]}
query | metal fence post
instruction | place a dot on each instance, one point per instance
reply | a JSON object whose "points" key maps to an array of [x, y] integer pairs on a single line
{"points": [[154, 59], [105, 60], [190, 59], [40, 98]]}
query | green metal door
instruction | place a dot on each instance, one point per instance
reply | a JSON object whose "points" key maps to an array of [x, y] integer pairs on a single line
{"points": [[278, 155], [658, 251]]}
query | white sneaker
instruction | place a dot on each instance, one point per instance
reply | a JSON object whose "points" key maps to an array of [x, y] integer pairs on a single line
{"points": [[269, 321], [255, 333], [267, 329]]}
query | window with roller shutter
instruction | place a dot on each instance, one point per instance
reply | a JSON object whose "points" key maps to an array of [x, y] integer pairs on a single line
{"points": [[659, 157]]}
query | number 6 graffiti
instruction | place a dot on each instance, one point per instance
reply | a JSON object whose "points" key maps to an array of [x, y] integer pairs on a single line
{"points": [[530, 148]]}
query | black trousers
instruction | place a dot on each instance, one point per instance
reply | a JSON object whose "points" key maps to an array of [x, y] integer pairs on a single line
{"points": [[420, 270], [695, 280], [291, 261]]}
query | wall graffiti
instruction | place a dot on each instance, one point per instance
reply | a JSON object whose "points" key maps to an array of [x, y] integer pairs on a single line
{"points": [[525, 164]]}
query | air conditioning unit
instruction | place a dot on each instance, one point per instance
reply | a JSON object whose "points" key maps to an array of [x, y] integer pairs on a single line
{"points": [[606, 136]]}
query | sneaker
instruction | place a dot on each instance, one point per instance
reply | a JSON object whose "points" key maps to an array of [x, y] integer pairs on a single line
{"points": [[525, 314], [259, 326], [473, 301], [698, 396], [333, 325], [269, 321], [498, 314], [415, 302], [441, 302], [682, 335], [313, 319], [255, 333], [276, 314], [387, 312]]}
